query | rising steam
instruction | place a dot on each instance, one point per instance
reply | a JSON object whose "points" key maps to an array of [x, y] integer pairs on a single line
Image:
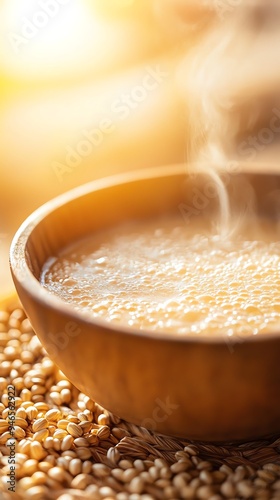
{"points": [[232, 86]]}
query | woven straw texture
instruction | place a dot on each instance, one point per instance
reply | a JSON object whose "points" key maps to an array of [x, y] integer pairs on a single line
{"points": [[68, 447]]}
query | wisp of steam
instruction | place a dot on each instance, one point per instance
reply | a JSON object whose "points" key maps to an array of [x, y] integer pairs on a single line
{"points": [[232, 79]]}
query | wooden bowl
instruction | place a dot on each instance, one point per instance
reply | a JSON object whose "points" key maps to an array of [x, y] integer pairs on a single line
{"points": [[201, 388]]}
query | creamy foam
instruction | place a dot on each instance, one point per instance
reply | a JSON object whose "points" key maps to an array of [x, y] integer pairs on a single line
{"points": [[165, 276]]}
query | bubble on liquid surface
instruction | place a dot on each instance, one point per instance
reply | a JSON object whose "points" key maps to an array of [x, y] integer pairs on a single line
{"points": [[164, 277]]}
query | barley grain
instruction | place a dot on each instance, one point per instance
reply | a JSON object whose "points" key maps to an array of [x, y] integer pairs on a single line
{"points": [[57, 473], [37, 451], [21, 422], [42, 406], [206, 477], [103, 432], [163, 483], [226, 469], [89, 414], [26, 396], [191, 450], [113, 456], [179, 467], [74, 438], [39, 478], [4, 397], [83, 453], [245, 489], [52, 484], [74, 429], [125, 464], [30, 466], [103, 419], [60, 433], [87, 467], [19, 433], [123, 496], [37, 493], [81, 442], [65, 396], [53, 415], [267, 475], [4, 425], [272, 467], [44, 466], [81, 481], [52, 458], [75, 466], [73, 418], [69, 453], [120, 433], [82, 417], [41, 435], [40, 424], [85, 426], [62, 424], [106, 492], [25, 483], [228, 489]]}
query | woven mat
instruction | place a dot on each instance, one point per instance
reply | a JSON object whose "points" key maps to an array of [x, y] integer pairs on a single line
{"points": [[125, 462]]}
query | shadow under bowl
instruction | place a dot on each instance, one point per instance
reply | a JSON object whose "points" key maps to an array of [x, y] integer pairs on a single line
{"points": [[195, 387]]}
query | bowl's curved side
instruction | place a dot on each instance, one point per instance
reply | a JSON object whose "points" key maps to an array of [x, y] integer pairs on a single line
{"points": [[212, 392], [199, 388]]}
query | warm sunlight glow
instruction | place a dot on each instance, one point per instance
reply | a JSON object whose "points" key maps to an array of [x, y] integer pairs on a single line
{"points": [[52, 37]]}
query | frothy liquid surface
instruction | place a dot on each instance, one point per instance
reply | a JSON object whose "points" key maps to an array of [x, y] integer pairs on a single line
{"points": [[159, 276]]}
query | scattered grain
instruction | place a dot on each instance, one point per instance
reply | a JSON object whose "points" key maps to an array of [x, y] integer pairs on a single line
{"points": [[81, 481], [37, 451], [57, 447], [41, 435], [75, 466], [60, 434], [74, 429], [83, 453], [67, 443], [103, 432]]}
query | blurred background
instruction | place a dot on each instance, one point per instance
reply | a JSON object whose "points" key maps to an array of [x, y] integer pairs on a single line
{"points": [[90, 88]]}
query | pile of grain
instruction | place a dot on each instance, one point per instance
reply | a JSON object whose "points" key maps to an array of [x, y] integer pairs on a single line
{"points": [[68, 447]]}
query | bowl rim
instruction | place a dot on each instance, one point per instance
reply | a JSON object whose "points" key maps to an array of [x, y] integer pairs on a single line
{"points": [[22, 273]]}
